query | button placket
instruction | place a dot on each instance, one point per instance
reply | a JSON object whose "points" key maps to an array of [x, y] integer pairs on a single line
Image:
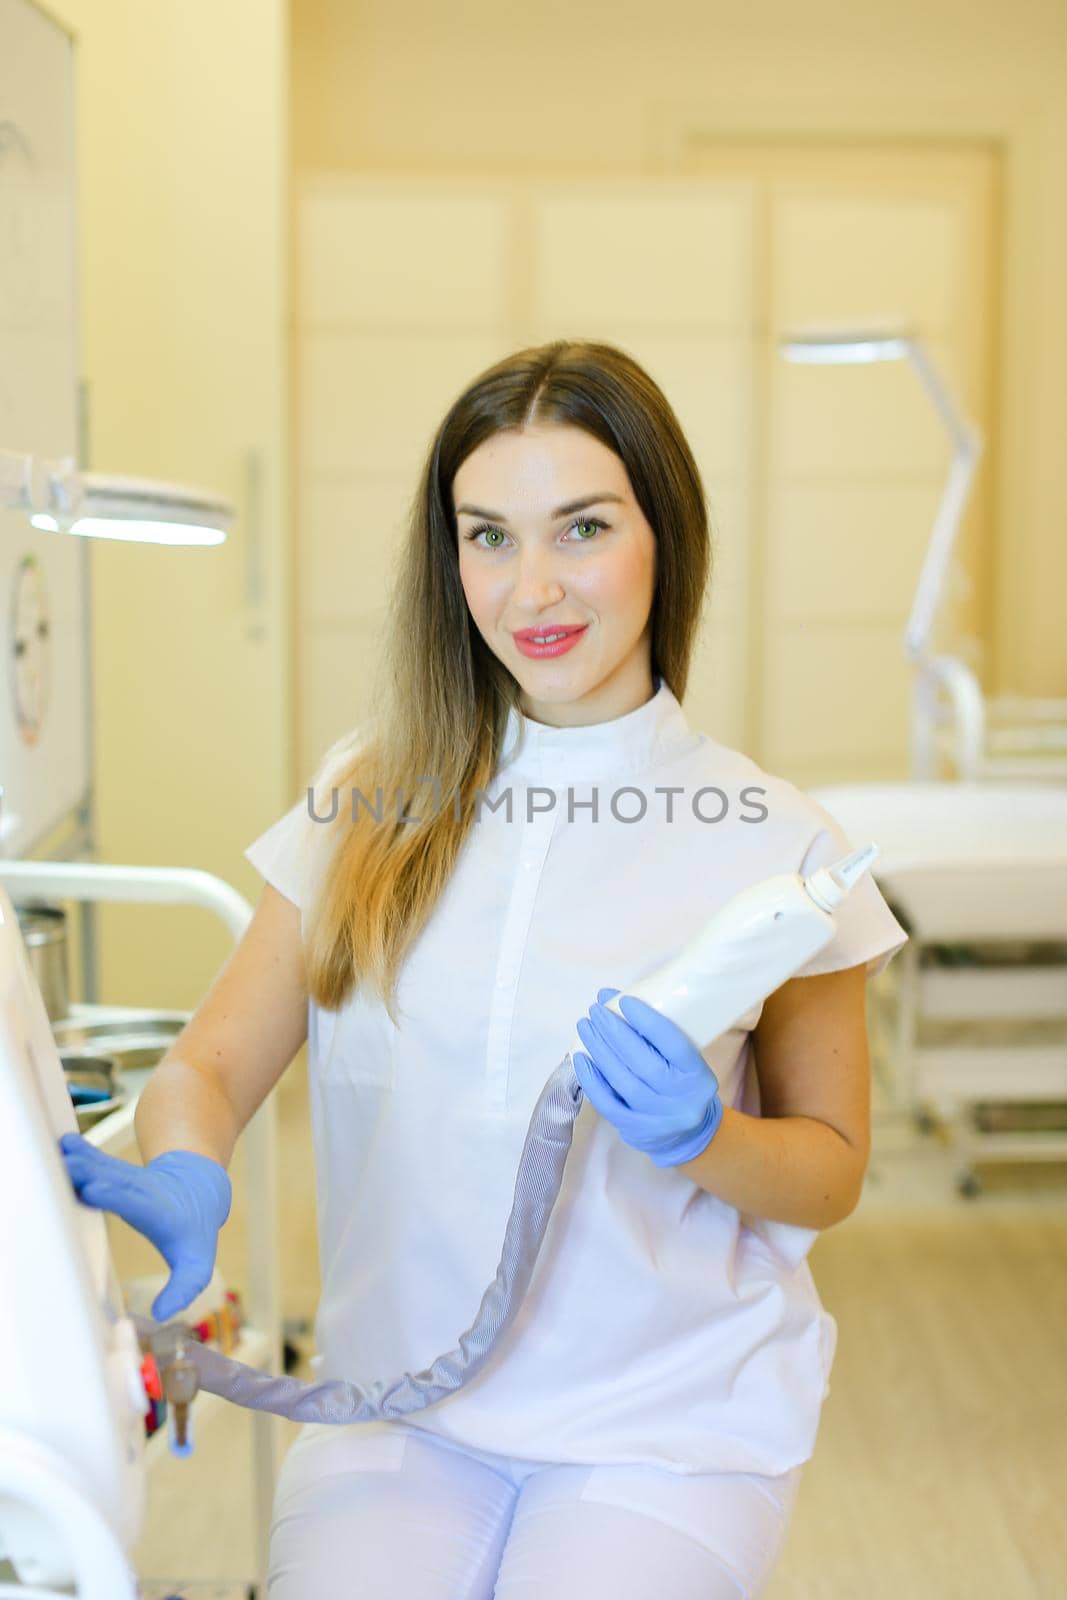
{"points": [[537, 837]]}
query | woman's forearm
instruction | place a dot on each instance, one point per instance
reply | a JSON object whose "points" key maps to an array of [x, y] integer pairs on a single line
{"points": [[787, 1169], [184, 1108]]}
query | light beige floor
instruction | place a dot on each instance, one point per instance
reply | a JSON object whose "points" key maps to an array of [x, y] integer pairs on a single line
{"points": [[941, 1462]]}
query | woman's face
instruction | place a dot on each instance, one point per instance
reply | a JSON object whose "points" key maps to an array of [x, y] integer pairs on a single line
{"points": [[551, 537]]}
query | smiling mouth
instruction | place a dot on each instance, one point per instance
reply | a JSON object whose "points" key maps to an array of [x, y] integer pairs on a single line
{"points": [[528, 636]]}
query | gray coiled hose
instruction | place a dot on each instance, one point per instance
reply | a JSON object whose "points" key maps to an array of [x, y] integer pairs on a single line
{"points": [[537, 1184]]}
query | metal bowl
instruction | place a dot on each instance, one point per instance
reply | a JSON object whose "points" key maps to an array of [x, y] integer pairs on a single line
{"points": [[96, 1048], [94, 1070], [130, 1042]]}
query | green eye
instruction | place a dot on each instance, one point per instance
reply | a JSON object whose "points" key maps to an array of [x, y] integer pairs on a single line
{"points": [[487, 530], [494, 537], [593, 523]]}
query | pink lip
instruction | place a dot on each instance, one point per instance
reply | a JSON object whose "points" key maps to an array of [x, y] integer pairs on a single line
{"points": [[538, 652]]}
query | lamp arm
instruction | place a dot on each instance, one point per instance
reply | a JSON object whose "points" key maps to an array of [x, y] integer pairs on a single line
{"points": [[30, 483], [16, 480], [967, 450], [930, 588], [965, 436]]}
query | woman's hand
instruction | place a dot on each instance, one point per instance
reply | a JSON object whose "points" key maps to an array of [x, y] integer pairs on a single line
{"points": [[179, 1201], [648, 1079]]}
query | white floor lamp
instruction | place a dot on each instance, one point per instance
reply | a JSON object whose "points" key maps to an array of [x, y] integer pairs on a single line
{"points": [[1009, 737]]}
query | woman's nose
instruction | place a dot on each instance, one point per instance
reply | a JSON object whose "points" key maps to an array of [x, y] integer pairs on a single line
{"points": [[537, 582]]}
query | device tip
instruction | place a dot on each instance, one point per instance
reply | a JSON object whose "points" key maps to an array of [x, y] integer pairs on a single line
{"points": [[851, 868]]}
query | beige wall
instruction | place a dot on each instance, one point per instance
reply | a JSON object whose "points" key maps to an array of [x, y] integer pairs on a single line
{"points": [[634, 88], [182, 178]]}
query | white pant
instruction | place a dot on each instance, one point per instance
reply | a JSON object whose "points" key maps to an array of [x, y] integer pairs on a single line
{"points": [[378, 1510]]}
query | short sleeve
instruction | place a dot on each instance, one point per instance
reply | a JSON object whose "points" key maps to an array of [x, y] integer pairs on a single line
{"points": [[293, 851], [280, 854], [865, 928]]}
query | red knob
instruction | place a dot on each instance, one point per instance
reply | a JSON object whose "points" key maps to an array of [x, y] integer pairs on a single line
{"points": [[150, 1377]]}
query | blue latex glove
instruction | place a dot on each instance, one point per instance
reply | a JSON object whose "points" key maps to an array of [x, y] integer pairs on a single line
{"points": [[179, 1201], [648, 1079]]}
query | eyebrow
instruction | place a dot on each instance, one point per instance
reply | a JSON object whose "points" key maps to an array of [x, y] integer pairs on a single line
{"points": [[560, 511]]}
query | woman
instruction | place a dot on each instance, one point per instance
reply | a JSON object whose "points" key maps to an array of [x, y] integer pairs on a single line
{"points": [[520, 823]]}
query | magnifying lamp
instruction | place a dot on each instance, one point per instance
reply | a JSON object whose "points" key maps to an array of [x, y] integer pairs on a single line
{"points": [[59, 498], [1028, 738], [856, 346]]}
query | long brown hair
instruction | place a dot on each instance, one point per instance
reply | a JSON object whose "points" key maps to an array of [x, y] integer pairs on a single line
{"points": [[443, 698]]}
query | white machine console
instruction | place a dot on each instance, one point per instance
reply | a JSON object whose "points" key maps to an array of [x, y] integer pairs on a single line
{"points": [[72, 1402]]}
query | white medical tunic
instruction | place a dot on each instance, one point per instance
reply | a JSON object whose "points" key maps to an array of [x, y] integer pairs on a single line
{"points": [[661, 1326]]}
